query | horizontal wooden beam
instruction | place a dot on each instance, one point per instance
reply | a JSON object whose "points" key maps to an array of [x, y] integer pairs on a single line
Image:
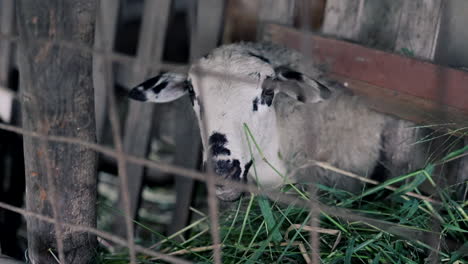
{"points": [[412, 89]]}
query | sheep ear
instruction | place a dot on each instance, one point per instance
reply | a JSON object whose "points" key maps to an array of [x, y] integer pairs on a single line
{"points": [[163, 88], [300, 86]]}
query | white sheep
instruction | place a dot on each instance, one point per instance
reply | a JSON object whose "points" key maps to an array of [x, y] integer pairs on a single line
{"points": [[294, 114]]}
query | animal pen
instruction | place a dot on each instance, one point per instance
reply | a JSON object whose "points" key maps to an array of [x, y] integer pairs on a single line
{"points": [[67, 66]]}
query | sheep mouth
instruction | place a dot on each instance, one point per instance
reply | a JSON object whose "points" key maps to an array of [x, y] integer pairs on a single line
{"points": [[229, 170]]}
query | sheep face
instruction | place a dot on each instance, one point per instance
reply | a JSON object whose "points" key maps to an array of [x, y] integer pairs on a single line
{"points": [[232, 90]]}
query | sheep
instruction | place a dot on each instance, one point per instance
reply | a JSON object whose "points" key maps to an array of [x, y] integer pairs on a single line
{"points": [[295, 115]]}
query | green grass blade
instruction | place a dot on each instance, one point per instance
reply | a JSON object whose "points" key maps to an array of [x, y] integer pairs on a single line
{"points": [[265, 207]]}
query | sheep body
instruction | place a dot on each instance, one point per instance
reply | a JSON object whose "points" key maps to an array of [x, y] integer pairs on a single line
{"points": [[296, 115]]}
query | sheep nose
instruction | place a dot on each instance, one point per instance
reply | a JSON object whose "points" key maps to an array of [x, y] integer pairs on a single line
{"points": [[230, 170], [227, 194]]}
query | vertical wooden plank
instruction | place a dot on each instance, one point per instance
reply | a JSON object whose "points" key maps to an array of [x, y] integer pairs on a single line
{"points": [[275, 11], [372, 23], [379, 23], [240, 22], [419, 27], [314, 11], [7, 14], [205, 30], [452, 41], [9, 193], [104, 36], [341, 18], [206, 24], [136, 132], [58, 99], [386, 24]]}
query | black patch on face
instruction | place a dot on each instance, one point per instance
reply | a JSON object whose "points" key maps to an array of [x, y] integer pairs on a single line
{"points": [[219, 150], [218, 138], [259, 57], [217, 142], [229, 169], [150, 82], [255, 104], [267, 97], [246, 169], [292, 75]]}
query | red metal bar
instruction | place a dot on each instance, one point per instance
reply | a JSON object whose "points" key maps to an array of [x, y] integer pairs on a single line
{"points": [[424, 86]]}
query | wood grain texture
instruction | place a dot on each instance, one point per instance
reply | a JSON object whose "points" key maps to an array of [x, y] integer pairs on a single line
{"points": [[137, 128], [57, 99], [241, 18], [7, 16], [206, 27], [419, 27], [205, 32], [275, 11], [106, 26], [452, 39], [342, 17]]}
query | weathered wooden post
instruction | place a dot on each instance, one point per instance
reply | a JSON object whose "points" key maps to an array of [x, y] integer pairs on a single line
{"points": [[57, 99]]}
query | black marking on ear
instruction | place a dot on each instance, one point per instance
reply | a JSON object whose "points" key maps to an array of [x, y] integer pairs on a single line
{"points": [[255, 104], [157, 89], [259, 57], [229, 169], [137, 94], [292, 75], [267, 97], [246, 170], [217, 142], [150, 82]]}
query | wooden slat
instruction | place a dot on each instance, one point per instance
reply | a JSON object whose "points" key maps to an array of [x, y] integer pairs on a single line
{"points": [[412, 78], [58, 100], [138, 124], [275, 11], [419, 27], [453, 36], [390, 25], [206, 17], [240, 22], [7, 14], [104, 36], [342, 18]]}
